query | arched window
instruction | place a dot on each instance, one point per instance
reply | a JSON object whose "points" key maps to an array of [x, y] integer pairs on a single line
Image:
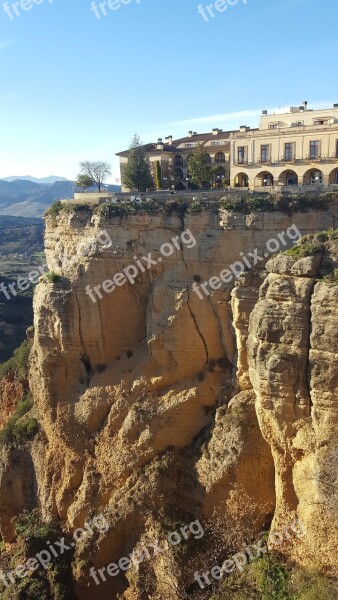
{"points": [[208, 158], [178, 160], [178, 173], [220, 157]]}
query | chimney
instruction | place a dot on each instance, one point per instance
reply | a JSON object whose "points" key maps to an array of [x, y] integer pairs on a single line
{"points": [[159, 144], [215, 131], [190, 133], [335, 106], [243, 128], [169, 139], [195, 133], [264, 112]]}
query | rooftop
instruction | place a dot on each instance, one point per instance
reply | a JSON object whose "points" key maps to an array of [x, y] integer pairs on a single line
{"points": [[171, 145]]}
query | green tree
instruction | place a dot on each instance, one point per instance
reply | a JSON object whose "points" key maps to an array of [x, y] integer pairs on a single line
{"points": [[158, 175], [167, 175], [199, 167], [96, 171], [136, 174], [84, 182]]}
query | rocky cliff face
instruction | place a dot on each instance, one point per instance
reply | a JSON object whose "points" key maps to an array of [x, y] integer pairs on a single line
{"points": [[158, 404], [12, 391]]}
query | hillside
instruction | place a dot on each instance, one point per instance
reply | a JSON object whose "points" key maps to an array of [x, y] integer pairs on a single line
{"points": [[24, 198], [21, 249], [20, 236], [16, 315]]}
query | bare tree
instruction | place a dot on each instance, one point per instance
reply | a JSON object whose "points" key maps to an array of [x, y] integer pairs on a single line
{"points": [[97, 171]]}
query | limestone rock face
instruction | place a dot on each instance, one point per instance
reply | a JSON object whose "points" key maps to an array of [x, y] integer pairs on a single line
{"points": [[292, 355], [157, 403], [11, 392]]}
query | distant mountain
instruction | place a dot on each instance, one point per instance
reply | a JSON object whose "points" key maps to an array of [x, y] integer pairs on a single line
{"points": [[51, 179], [25, 198]]}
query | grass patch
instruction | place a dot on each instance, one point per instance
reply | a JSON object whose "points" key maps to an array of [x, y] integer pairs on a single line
{"points": [[303, 250], [314, 243]]}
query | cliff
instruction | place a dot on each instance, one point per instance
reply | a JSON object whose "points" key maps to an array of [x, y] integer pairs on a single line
{"points": [[159, 404]]}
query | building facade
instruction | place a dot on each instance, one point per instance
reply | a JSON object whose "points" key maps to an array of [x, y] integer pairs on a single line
{"points": [[173, 156], [292, 150]]}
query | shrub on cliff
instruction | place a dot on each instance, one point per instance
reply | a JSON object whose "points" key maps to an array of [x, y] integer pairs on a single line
{"points": [[18, 364], [18, 427], [278, 202], [54, 210], [53, 583], [178, 207], [268, 578], [52, 277], [111, 210], [248, 204]]}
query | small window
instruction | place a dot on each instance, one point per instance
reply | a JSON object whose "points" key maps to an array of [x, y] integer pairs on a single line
{"points": [[273, 126], [215, 143], [300, 123], [321, 122], [189, 145]]}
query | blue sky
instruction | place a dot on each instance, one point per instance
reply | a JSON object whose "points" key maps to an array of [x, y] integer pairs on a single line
{"points": [[74, 86]]}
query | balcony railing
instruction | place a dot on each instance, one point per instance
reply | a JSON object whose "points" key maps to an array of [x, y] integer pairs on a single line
{"points": [[284, 160], [288, 159]]}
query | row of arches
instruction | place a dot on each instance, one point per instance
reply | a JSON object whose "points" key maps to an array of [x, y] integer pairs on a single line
{"points": [[219, 158], [287, 178]]}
